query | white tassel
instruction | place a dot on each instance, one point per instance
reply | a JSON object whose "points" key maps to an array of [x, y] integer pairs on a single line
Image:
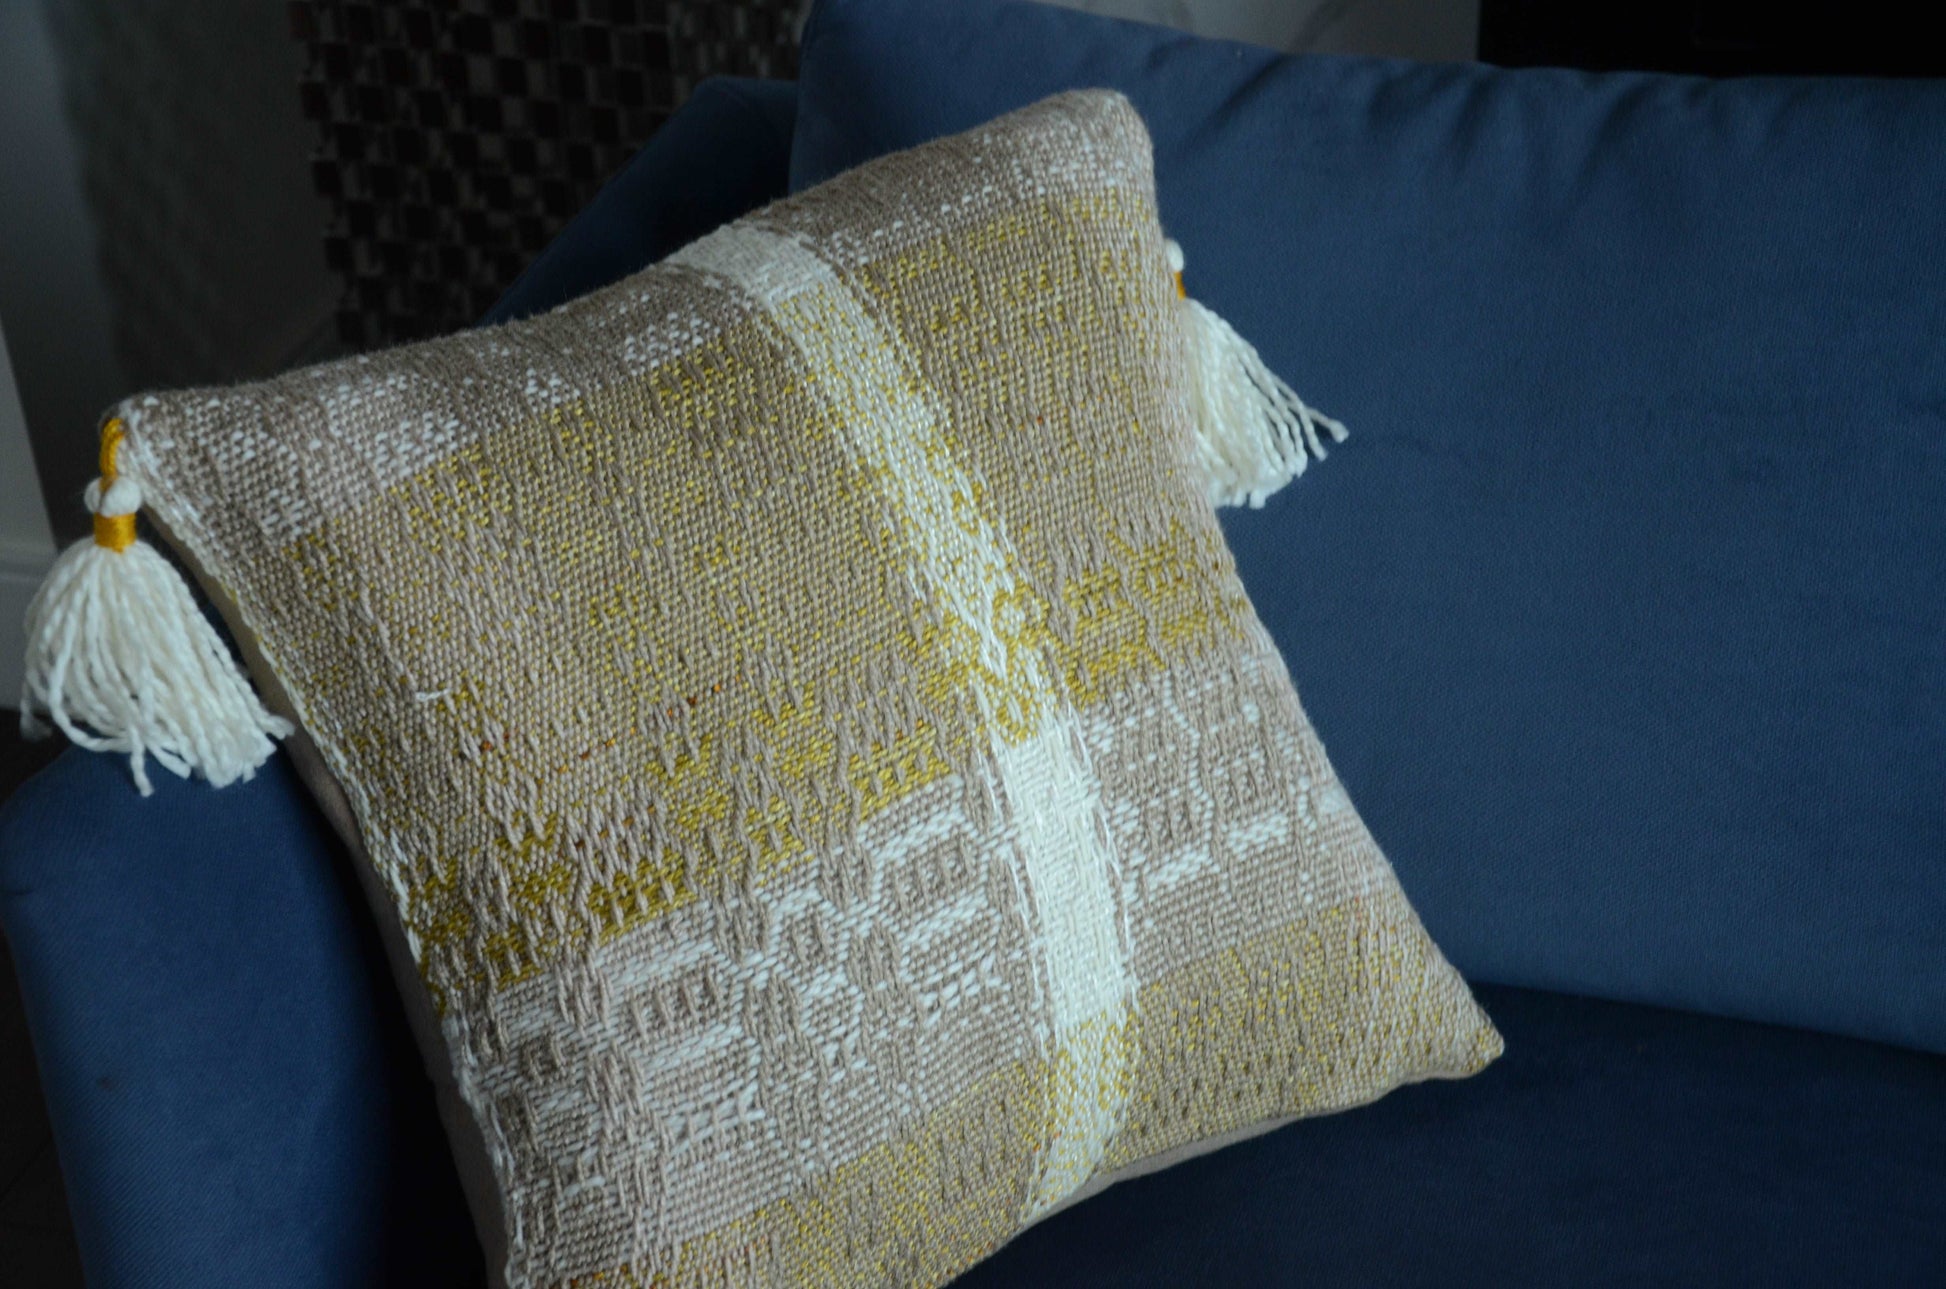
{"points": [[123, 661], [1254, 433]]}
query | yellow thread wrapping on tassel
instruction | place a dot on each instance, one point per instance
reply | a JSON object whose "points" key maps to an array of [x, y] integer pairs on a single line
{"points": [[114, 431], [116, 532]]}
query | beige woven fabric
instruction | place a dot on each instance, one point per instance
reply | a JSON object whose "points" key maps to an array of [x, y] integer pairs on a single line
{"points": [[799, 708]]}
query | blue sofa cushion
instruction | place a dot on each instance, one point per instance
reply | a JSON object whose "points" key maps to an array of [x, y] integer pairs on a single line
{"points": [[233, 1091], [1623, 612], [1613, 1145]]}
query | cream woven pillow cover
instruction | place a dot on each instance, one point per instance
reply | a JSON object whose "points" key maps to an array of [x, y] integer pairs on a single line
{"points": [[833, 799]]}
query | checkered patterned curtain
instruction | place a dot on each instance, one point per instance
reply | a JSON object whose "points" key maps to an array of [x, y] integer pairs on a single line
{"points": [[455, 139]]}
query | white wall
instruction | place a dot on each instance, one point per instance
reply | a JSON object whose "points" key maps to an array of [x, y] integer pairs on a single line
{"points": [[52, 302], [54, 321], [26, 545], [158, 225]]}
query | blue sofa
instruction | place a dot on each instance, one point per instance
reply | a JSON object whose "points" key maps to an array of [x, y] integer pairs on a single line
{"points": [[236, 1101]]}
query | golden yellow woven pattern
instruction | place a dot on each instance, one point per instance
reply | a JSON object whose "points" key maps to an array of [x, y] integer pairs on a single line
{"points": [[803, 716]]}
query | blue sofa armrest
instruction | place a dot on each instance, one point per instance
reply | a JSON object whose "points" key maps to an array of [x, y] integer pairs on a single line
{"points": [[232, 1088]]}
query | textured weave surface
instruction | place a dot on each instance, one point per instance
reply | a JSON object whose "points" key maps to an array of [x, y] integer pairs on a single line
{"points": [[836, 793]]}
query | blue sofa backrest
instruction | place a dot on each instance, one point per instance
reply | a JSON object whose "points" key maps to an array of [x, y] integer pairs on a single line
{"points": [[1623, 612]]}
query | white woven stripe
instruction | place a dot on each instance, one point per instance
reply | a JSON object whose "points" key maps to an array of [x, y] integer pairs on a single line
{"points": [[1067, 864], [1072, 882]]}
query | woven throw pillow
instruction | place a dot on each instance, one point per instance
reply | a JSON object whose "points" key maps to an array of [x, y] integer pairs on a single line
{"points": [[833, 801]]}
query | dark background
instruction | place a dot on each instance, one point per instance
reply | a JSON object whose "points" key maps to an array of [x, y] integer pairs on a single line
{"points": [[1714, 37]]}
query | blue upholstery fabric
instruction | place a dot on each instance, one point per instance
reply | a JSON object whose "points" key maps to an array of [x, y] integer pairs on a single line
{"points": [[1623, 611], [725, 153], [234, 1095], [233, 1091], [1612, 1145]]}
